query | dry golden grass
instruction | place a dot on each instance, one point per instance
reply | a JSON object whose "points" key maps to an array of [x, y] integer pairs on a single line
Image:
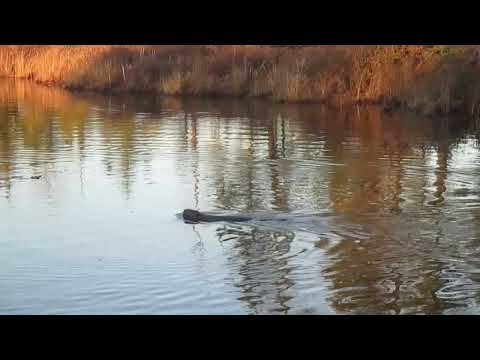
{"points": [[429, 79]]}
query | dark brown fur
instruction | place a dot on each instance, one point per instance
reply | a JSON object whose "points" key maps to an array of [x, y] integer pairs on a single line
{"points": [[194, 216]]}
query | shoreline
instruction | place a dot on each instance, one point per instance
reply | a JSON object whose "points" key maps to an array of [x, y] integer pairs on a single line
{"points": [[330, 105], [426, 80]]}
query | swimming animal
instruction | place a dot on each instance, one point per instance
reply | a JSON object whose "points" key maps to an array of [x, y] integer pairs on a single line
{"points": [[194, 216], [307, 223]]}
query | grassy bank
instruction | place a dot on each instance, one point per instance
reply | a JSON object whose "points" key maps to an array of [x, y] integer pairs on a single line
{"points": [[427, 79]]}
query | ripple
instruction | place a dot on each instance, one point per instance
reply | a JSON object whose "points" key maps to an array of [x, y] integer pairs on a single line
{"points": [[376, 223]]}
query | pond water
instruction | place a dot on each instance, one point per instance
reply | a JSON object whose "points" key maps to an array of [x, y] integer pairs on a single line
{"points": [[383, 210]]}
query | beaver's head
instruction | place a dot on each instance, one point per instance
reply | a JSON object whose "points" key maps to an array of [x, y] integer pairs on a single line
{"points": [[192, 216]]}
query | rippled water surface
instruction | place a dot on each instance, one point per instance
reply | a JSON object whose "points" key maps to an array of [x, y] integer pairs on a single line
{"points": [[382, 211]]}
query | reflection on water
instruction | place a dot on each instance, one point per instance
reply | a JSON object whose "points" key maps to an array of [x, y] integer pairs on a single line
{"points": [[383, 210]]}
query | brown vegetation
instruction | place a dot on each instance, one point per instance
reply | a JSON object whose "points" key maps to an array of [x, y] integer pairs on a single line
{"points": [[429, 79]]}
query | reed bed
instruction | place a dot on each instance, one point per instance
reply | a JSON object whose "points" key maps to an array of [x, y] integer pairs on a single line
{"points": [[428, 79]]}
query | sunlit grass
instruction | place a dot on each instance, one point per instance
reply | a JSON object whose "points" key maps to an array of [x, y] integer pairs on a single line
{"points": [[428, 79]]}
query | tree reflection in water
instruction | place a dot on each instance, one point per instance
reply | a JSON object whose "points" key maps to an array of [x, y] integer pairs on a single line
{"points": [[399, 199]]}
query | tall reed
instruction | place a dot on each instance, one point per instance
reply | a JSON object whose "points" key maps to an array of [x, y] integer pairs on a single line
{"points": [[428, 79]]}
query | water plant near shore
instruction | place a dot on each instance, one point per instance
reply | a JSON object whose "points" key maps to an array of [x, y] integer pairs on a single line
{"points": [[428, 79]]}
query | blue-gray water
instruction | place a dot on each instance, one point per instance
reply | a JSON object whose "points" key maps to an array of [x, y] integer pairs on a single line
{"points": [[384, 210]]}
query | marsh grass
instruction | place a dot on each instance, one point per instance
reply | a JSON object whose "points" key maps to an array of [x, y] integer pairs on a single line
{"points": [[427, 79]]}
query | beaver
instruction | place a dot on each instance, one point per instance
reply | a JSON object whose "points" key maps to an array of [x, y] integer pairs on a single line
{"points": [[194, 216]]}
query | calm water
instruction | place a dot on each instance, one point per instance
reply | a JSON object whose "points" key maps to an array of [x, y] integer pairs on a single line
{"points": [[383, 210]]}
